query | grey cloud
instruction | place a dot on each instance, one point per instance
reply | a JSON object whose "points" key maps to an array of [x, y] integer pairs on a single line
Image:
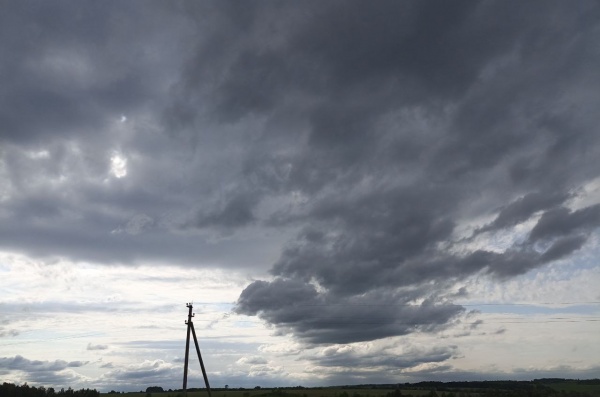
{"points": [[355, 243], [296, 105], [48, 373], [262, 371], [339, 315], [90, 346], [387, 360], [351, 267], [102, 246], [23, 364], [255, 84], [4, 332], [139, 223], [67, 69], [323, 318], [514, 261], [476, 324], [134, 377], [562, 221], [236, 212], [75, 364], [449, 374], [332, 53], [507, 264], [563, 247], [376, 41], [73, 72], [523, 208], [286, 293]]}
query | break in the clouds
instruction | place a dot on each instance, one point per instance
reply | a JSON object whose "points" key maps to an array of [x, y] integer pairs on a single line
{"points": [[365, 165]]}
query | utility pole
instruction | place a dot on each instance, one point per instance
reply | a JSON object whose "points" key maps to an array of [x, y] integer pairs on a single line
{"points": [[190, 327]]}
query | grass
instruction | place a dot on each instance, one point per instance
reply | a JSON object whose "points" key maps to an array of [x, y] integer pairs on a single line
{"points": [[307, 392], [563, 388], [574, 386]]}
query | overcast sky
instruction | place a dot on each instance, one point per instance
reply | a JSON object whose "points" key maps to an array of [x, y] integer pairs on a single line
{"points": [[349, 192]]}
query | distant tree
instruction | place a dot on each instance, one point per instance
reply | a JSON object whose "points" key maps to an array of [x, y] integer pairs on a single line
{"points": [[11, 390], [154, 389]]}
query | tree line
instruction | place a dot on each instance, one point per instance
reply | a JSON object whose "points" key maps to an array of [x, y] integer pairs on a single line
{"points": [[24, 390]]}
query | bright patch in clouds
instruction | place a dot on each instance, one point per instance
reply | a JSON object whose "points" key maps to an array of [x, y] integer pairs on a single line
{"points": [[118, 165], [41, 154]]}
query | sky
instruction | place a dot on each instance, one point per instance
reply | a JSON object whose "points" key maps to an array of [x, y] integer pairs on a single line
{"points": [[348, 191]]}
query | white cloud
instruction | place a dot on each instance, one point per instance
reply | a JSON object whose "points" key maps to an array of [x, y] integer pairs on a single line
{"points": [[252, 360]]}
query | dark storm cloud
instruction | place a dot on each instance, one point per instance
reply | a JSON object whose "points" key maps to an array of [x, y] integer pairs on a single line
{"points": [[563, 247], [521, 209], [385, 184], [315, 317], [70, 73], [236, 212], [563, 221], [64, 68]]}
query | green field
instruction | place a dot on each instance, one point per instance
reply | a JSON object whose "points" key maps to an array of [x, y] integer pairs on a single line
{"points": [[280, 392], [307, 392], [567, 387], [538, 388]]}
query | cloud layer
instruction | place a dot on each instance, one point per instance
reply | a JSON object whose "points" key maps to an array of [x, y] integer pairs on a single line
{"points": [[365, 165]]}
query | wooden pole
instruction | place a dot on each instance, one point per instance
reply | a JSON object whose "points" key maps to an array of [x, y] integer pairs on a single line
{"points": [[190, 327], [187, 348]]}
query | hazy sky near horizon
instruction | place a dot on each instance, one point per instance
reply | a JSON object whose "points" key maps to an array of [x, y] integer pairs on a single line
{"points": [[349, 192]]}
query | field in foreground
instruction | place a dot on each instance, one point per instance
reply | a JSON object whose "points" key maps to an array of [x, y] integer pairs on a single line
{"points": [[537, 388]]}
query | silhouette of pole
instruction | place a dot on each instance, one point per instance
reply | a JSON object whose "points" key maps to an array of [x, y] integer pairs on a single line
{"points": [[190, 326], [187, 349]]}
